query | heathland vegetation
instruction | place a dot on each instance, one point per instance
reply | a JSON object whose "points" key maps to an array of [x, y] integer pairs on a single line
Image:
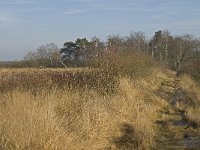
{"points": [[126, 93]]}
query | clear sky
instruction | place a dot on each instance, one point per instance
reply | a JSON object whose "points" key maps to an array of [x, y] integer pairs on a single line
{"points": [[27, 24]]}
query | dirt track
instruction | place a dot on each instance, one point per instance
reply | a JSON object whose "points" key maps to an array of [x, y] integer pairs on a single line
{"points": [[176, 131]]}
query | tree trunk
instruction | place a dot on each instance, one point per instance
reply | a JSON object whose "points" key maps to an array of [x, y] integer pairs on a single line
{"points": [[166, 53]]}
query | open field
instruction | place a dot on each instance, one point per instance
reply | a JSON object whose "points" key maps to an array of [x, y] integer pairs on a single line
{"points": [[62, 118], [94, 109], [33, 79], [82, 75]]}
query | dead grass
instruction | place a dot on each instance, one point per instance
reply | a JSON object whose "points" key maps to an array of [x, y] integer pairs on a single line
{"points": [[193, 92], [70, 79], [111, 107], [60, 118]]}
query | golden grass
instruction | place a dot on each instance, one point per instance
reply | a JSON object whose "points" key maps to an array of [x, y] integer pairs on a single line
{"points": [[111, 107], [64, 119], [193, 91]]}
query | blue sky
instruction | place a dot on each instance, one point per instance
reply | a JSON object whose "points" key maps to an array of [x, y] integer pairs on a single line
{"points": [[27, 24]]}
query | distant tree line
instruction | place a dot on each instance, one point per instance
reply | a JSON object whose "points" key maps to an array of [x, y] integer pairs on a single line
{"points": [[180, 53]]}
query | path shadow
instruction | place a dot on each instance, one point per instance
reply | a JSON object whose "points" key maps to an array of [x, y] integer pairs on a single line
{"points": [[128, 139]]}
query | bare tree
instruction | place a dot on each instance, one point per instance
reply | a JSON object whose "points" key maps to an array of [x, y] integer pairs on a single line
{"points": [[45, 55]]}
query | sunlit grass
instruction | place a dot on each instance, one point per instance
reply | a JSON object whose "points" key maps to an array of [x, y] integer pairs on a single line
{"points": [[193, 91], [80, 108]]}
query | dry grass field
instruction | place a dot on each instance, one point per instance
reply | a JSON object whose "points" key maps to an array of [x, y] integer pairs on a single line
{"points": [[115, 106], [66, 109]]}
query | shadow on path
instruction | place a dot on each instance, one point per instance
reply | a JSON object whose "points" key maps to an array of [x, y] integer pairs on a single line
{"points": [[128, 139]]}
